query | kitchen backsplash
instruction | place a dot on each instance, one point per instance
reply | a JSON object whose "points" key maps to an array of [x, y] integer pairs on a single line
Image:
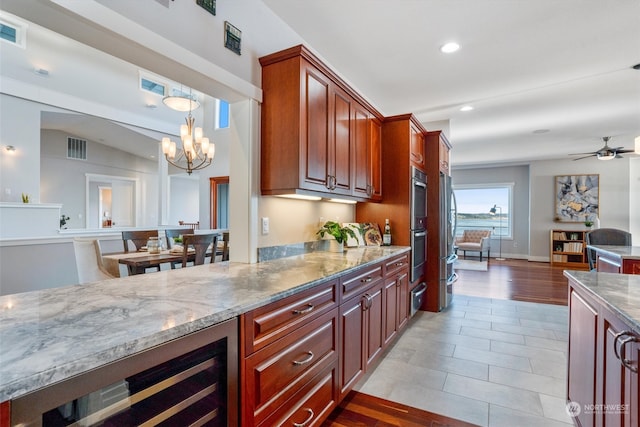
{"points": [[275, 252]]}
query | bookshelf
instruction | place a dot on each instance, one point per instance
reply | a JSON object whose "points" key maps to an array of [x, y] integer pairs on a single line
{"points": [[568, 249]]}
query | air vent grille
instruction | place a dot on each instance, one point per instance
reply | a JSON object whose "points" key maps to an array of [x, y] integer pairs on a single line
{"points": [[76, 148]]}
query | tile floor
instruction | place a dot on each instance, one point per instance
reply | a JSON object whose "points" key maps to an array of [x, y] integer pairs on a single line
{"points": [[486, 361]]}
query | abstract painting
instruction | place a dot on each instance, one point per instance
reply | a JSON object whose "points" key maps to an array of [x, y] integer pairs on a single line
{"points": [[577, 198]]}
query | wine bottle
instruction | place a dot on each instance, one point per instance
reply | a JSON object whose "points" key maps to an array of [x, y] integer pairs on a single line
{"points": [[386, 236]]}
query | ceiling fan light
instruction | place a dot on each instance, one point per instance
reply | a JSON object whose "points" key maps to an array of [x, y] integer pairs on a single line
{"points": [[606, 156]]}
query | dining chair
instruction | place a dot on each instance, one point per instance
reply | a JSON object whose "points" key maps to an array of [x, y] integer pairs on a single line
{"points": [[225, 246], [139, 238], [605, 236], [89, 261], [200, 243], [176, 232], [194, 225]]}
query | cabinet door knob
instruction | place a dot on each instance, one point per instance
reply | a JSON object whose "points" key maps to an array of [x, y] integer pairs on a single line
{"points": [[306, 422], [309, 309], [304, 361]]}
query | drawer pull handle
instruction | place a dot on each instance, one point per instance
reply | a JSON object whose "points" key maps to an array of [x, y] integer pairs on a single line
{"points": [[309, 309], [399, 264], [619, 350], [308, 359], [307, 421], [366, 280]]}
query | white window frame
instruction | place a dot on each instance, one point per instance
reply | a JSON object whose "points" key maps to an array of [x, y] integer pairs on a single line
{"points": [[21, 31], [509, 209]]}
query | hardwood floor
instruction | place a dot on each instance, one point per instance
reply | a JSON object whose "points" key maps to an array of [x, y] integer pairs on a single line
{"points": [[519, 280], [363, 410], [510, 279]]}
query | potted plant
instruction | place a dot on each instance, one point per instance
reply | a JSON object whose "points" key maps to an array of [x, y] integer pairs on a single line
{"points": [[339, 233], [588, 223]]}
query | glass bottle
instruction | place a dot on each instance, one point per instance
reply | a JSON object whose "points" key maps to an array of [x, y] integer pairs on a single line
{"points": [[386, 236], [153, 245]]}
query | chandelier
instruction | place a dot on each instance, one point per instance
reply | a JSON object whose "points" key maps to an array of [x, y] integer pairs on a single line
{"points": [[196, 149]]}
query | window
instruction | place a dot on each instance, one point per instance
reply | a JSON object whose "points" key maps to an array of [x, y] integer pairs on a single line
{"points": [[222, 120], [152, 86], [475, 202], [13, 32]]}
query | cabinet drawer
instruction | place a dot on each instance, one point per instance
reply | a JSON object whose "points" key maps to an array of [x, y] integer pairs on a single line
{"points": [[395, 265], [280, 370], [266, 324], [355, 283], [311, 405]]}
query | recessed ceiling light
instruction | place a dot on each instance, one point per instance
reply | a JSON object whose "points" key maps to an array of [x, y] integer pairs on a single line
{"points": [[541, 131], [449, 47], [466, 108]]}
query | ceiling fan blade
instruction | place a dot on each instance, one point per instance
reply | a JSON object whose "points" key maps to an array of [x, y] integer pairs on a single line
{"points": [[625, 151], [580, 158], [593, 153]]}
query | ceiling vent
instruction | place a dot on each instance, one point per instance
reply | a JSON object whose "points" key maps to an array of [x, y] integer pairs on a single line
{"points": [[76, 148]]}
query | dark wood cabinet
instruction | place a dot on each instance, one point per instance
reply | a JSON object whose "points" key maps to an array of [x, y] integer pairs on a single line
{"points": [[398, 136], [352, 343], [437, 148], [396, 291], [316, 134], [418, 152], [368, 158], [290, 346], [604, 354], [583, 337]]}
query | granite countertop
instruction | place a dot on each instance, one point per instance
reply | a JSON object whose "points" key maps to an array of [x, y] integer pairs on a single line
{"points": [[622, 252], [620, 293], [50, 335]]}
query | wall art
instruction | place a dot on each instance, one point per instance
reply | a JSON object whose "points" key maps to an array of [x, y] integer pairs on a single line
{"points": [[577, 197]]}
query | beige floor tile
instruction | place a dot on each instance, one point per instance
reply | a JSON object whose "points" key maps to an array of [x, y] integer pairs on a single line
{"points": [[555, 408], [528, 381], [439, 402], [544, 325], [498, 394], [453, 365], [522, 330], [546, 343], [492, 318], [506, 417], [552, 356], [492, 335], [492, 358]]}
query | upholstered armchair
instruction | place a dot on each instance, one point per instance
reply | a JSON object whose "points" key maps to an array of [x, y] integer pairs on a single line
{"points": [[474, 241]]}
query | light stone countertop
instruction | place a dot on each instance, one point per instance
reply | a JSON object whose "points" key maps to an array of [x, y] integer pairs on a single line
{"points": [[621, 252], [50, 335], [620, 293]]}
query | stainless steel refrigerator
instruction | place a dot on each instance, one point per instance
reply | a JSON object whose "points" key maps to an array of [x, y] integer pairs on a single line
{"points": [[447, 256]]}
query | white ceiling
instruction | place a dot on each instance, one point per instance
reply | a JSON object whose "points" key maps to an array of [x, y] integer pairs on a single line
{"points": [[523, 65], [563, 66]]}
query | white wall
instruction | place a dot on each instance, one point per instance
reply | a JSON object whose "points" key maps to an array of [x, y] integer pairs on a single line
{"points": [[615, 197], [184, 199]]}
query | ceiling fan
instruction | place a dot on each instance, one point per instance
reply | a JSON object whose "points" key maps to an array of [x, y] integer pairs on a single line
{"points": [[605, 153]]}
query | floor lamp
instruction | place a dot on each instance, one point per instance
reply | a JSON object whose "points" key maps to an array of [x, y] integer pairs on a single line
{"points": [[492, 211]]}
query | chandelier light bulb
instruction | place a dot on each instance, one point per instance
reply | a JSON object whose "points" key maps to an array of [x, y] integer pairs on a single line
{"points": [[172, 150], [204, 143], [211, 152], [198, 134]]}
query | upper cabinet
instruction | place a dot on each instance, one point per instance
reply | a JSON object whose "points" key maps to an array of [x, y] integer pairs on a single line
{"points": [[438, 147], [418, 156], [319, 137]]}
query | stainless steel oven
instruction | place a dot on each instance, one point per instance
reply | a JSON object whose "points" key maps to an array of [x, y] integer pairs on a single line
{"points": [[418, 223], [418, 253], [418, 199]]}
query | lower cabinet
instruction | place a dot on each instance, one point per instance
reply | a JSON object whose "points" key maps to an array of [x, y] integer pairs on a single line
{"points": [[604, 353], [304, 353]]}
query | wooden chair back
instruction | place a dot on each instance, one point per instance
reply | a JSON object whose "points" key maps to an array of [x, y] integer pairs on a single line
{"points": [[139, 238], [200, 243], [225, 246], [194, 225], [176, 232]]}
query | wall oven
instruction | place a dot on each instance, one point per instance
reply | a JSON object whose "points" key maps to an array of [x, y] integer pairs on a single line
{"points": [[418, 223]]}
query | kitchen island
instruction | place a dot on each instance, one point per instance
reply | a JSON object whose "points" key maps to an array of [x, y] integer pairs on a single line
{"points": [[617, 259], [604, 348], [51, 336]]}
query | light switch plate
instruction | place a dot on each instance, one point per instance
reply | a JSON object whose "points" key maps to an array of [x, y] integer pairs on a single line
{"points": [[265, 225]]}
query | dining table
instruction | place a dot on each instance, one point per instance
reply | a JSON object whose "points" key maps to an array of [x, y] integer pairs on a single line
{"points": [[138, 262]]}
